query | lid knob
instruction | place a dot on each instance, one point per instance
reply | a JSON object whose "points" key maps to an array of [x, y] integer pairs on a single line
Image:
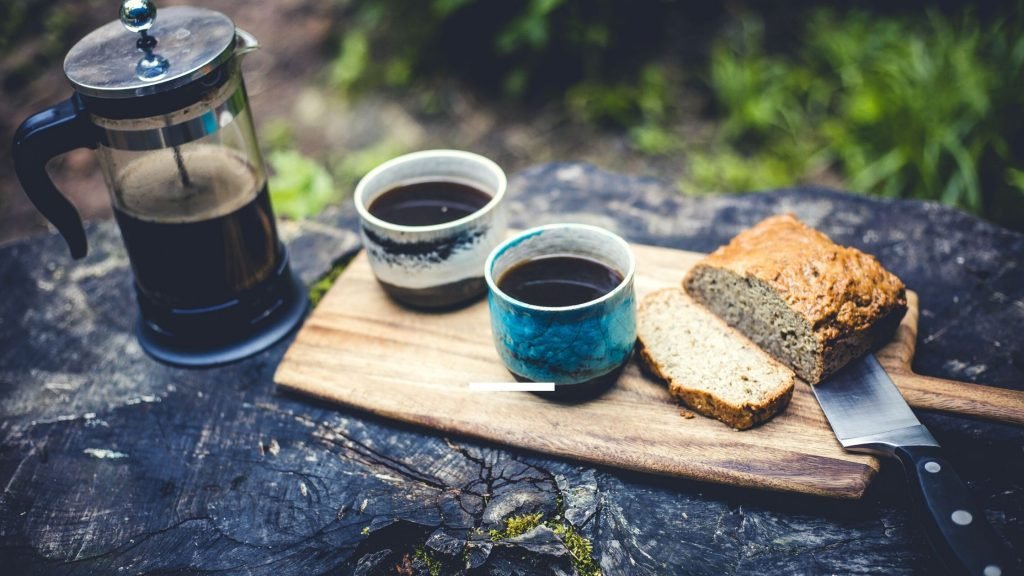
{"points": [[138, 15], [123, 58]]}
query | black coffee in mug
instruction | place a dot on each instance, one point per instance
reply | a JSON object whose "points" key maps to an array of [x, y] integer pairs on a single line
{"points": [[559, 280], [428, 202]]}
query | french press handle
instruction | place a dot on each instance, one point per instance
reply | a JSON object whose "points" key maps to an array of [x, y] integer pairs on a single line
{"points": [[52, 132]]}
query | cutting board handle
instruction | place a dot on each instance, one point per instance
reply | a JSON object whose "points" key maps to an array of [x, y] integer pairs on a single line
{"points": [[929, 393]]}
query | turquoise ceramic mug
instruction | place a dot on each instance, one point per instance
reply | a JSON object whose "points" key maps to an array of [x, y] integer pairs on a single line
{"points": [[573, 345]]}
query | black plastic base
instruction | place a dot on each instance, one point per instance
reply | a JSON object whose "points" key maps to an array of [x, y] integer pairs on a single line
{"points": [[180, 351]]}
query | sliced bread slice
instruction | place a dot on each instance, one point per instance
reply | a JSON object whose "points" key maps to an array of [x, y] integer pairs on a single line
{"points": [[708, 365]]}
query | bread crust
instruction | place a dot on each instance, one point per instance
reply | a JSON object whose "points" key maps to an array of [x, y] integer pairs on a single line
{"points": [[739, 417], [847, 298]]}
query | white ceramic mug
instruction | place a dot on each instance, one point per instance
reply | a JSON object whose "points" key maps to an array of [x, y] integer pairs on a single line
{"points": [[440, 265]]}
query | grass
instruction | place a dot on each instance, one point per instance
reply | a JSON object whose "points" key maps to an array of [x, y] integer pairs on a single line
{"points": [[900, 108], [900, 104]]}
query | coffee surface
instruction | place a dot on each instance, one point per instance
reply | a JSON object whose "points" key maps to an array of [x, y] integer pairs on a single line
{"points": [[192, 183], [429, 202], [559, 280]]}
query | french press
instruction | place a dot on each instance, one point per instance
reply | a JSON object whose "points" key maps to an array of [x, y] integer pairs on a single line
{"points": [[165, 107]]}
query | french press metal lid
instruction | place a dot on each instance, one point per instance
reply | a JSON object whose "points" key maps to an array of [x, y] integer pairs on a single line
{"points": [[178, 56], [183, 46]]}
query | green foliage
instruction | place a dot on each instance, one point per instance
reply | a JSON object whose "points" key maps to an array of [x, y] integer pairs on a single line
{"points": [[57, 24], [900, 108], [365, 61], [901, 126], [352, 61], [724, 169], [889, 102], [645, 98], [278, 134], [12, 19], [598, 102], [530, 30], [580, 549], [444, 8], [1015, 178], [322, 285], [356, 163], [516, 526], [433, 564], [532, 47], [300, 187], [642, 105], [651, 138]]}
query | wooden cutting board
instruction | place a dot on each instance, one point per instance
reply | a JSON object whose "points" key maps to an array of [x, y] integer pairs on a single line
{"points": [[361, 349]]}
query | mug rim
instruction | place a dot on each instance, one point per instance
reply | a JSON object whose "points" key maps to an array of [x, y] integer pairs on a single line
{"points": [[364, 212], [627, 278]]}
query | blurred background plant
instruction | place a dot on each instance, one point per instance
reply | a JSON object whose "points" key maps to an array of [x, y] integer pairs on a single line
{"points": [[919, 99], [926, 108], [915, 102]]}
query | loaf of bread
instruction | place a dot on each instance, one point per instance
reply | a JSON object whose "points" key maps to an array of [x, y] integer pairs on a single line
{"points": [[708, 366], [805, 300]]}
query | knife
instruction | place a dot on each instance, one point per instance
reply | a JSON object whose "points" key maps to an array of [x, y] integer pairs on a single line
{"points": [[868, 414]]}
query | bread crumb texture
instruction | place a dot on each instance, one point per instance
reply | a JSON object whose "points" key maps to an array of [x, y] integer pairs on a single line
{"points": [[710, 367]]}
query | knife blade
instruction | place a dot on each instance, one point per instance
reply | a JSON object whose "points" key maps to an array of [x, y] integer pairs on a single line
{"points": [[868, 414]]}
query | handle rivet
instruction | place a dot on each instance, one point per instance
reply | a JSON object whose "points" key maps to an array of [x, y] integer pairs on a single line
{"points": [[992, 570], [962, 517], [932, 467]]}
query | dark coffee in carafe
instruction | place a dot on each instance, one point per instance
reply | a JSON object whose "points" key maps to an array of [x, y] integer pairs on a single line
{"points": [[196, 237]]}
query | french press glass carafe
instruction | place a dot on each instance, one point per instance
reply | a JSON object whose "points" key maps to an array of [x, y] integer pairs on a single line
{"points": [[167, 112]]}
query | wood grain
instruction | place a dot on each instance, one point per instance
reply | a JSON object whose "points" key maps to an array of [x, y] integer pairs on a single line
{"points": [[362, 350], [929, 393]]}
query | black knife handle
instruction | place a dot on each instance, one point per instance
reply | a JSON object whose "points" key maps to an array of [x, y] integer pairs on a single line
{"points": [[957, 527]]}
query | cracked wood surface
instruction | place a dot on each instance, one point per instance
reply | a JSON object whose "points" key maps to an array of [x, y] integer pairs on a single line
{"points": [[111, 462]]}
